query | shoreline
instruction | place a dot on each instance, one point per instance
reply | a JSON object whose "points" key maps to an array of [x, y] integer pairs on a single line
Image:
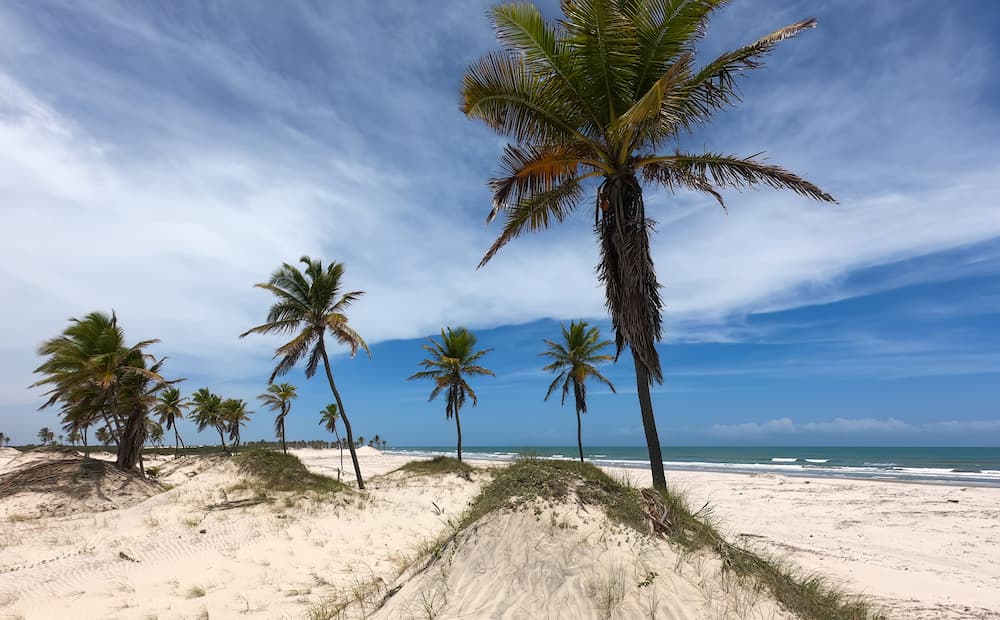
{"points": [[909, 475]]}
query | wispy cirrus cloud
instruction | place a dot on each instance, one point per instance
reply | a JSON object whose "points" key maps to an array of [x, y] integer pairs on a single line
{"points": [[161, 160]]}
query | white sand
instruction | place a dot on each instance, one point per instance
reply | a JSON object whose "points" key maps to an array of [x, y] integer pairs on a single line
{"points": [[910, 546], [196, 556], [567, 561]]}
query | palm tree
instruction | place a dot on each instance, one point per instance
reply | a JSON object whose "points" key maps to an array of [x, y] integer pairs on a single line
{"points": [[170, 408], [309, 305], [236, 416], [46, 436], [575, 359], [103, 436], [451, 361], [154, 432], [278, 397], [328, 420], [91, 372], [207, 412], [76, 423], [4, 439], [591, 100]]}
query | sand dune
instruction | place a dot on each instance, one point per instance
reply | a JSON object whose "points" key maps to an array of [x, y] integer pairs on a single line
{"points": [[187, 553], [569, 562], [204, 547]]}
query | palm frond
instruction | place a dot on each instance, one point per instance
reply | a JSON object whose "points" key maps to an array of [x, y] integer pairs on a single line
{"points": [[714, 86], [505, 94], [521, 26], [739, 173], [536, 213]]}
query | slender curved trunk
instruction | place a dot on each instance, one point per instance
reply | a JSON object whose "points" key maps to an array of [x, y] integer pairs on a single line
{"points": [[580, 407], [632, 293], [281, 430], [341, 445], [343, 414], [222, 440], [458, 427], [178, 442], [649, 425], [86, 445]]}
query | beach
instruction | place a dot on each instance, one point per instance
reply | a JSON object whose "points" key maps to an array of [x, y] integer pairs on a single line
{"points": [[200, 549]]}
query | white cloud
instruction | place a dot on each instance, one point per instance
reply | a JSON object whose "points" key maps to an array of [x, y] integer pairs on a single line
{"points": [[165, 188]]}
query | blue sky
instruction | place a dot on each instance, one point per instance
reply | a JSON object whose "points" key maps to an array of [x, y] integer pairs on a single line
{"points": [[159, 159]]}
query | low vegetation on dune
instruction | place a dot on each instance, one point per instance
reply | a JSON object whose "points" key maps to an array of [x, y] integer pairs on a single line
{"points": [[85, 484], [526, 480], [438, 465], [274, 471], [663, 513]]}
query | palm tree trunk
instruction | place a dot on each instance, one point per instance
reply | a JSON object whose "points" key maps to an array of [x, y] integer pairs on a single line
{"points": [[343, 414], [632, 293], [130, 444], [222, 439], [281, 428], [581, 406], [649, 424], [341, 445], [458, 427], [177, 442]]}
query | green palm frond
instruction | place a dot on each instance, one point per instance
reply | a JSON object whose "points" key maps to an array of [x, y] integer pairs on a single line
{"points": [[309, 303], [575, 359]]}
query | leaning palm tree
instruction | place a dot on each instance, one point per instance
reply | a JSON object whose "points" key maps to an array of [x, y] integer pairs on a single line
{"points": [[207, 411], [278, 397], [575, 359], [46, 436], [591, 101], [235, 416], [90, 370], [309, 305], [328, 420], [451, 361], [170, 407]]}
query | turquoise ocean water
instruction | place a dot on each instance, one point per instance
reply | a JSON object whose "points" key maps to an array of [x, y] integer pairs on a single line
{"points": [[965, 466]]}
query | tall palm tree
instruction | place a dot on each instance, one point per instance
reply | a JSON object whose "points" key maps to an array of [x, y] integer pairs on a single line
{"points": [[309, 305], [278, 397], [170, 408], [590, 101], [89, 369], [451, 361], [46, 436], [236, 416], [575, 359], [207, 411], [328, 420]]}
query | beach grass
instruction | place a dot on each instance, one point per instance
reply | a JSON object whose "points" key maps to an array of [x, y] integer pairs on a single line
{"points": [[808, 596], [274, 471], [528, 479], [438, 465]]}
